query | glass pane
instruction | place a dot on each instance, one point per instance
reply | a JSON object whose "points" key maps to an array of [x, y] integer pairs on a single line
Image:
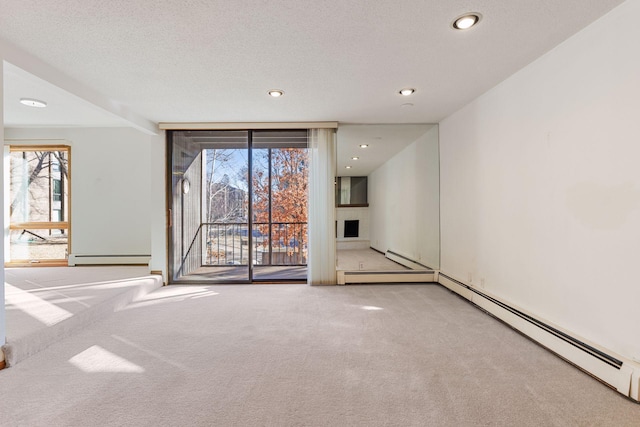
{"points": [[39, 186], [289, 171], [225, 203], [279, 186], [261, 205], [210, 239], [38, 244], [226, 183]]}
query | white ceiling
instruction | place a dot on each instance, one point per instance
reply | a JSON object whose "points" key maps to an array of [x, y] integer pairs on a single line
{"points": [[383, 140], [215, 60], [63, 108]]}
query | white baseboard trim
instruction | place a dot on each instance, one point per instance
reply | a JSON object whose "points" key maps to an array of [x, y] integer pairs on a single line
{"points": [[406, 261], [618, 372], [81, 259]]}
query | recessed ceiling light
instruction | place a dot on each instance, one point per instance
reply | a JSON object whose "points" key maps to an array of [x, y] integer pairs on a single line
{"points": [[347, 167], [276, 93], [355, 158], [407, 91], [466, 21], [364, 145], [30, 102]]}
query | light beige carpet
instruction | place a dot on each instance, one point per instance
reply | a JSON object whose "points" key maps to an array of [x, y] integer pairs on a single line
{"points": [[46, 304], [292, 355]]}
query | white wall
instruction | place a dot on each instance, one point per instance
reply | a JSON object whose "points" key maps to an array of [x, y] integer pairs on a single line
{"points": [[349, 213], [540, 186], [158, 206], [403, 202], [3, 330], [117, 195]]}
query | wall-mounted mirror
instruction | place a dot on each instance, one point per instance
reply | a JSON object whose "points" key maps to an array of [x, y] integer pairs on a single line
{"points": [[399, 225], [351, 191]]}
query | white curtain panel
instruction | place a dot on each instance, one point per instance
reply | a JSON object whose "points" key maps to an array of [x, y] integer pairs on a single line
{"points": [[322, 241]]}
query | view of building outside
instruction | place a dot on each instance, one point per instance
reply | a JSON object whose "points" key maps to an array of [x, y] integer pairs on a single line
{"points": [[39, 197], [225, 199]]}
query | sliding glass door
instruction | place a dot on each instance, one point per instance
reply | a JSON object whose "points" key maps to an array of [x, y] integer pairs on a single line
{"points": [[239, 206], [280, 172]]}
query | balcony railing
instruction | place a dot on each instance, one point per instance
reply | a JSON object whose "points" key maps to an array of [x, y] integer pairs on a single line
{"points": [[282, 243]]}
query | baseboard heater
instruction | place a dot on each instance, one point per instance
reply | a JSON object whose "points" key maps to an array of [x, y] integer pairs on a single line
{"points": [[618, 372], [386, 276], [80, 259], [403, 260]]}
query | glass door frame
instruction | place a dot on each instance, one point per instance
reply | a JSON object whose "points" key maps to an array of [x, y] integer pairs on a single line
{"points": [[173, 278]]}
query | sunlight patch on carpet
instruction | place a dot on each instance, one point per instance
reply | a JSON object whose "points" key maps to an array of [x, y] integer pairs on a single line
{"points": [[177, 293], [34, 306], [96, 359], [371, 308]]}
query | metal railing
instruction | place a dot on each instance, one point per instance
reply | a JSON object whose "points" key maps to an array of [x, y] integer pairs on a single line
{"points": [[282, 243]]}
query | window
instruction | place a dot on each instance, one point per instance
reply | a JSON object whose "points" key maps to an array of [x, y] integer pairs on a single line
{"points": [[39, 205], [56, 192]]}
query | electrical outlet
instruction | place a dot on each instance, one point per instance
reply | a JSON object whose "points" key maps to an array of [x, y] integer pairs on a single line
{"points": [[482, 282], [361, 265], [470, 277]]}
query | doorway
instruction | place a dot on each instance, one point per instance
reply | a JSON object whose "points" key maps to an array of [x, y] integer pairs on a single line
{"points": [[39, 182], [238, 206]]}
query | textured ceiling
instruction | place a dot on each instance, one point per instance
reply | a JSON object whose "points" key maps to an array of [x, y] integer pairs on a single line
{"points": [[383, 140], [63, 108], [212, 60]]}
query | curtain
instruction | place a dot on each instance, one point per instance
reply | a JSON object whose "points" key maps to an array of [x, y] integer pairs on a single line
{"points": [[322, 240]]}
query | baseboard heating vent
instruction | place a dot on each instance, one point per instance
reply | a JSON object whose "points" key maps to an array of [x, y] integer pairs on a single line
{"points": [[386, 276], [616, 371], [80, 259]]}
